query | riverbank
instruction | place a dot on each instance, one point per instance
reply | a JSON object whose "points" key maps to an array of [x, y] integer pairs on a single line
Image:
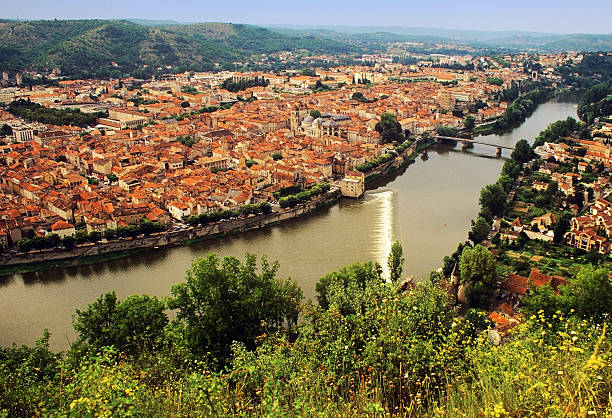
{"points": [[100, 252], [92, 253]]}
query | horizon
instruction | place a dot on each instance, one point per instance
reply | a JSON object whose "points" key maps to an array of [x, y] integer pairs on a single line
{"points": [[549, 17], [305, 26]]}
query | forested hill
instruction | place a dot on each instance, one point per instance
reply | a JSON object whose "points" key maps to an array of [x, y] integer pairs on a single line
{"points": [[95, 48]]}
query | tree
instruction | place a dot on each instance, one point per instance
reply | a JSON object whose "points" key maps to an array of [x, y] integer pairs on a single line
{"points": [[69, 242], [315, 113], [389, 128], [133, 325], [523, 152], [480, 230], [447, 131], [6, 130], [225, 301], [185, 104], [561, 227], [395, 261], [469, 122], [110, 234], [355, 276], [590, 293], [477, 267], [344, 289], [494, 198]]}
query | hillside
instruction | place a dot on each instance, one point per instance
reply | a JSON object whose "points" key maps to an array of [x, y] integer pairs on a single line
{"points": [[512, 40], [97, 48]]}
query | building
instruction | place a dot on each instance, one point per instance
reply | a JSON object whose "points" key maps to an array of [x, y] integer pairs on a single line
{"points": [[353, 184], [63, 229]]}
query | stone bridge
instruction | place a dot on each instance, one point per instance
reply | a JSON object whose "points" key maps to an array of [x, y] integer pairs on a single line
{"points": [[467, 143]]}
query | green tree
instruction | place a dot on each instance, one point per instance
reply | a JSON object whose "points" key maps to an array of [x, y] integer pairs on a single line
{"points": [[132, 325], [477, 267], [480, 230], [523, 152], [315, 113], [69, 242], [561, 227], [389, 128], [395, 261], [493, 197], [589, 293], [225, 301], [334, 288], [6, 130], [469, 122]]}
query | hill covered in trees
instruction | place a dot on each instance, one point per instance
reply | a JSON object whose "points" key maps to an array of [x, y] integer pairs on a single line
{"points": [[100, 48]]}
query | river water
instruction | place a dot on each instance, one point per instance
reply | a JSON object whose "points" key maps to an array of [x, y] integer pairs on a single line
{"points": [[427, 208]]}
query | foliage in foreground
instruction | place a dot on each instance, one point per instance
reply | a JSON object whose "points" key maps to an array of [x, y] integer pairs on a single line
{"points": [[369, 350]]}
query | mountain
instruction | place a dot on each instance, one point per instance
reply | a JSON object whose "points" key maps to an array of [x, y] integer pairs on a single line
{"points": [[515, 40], [97, 48]]}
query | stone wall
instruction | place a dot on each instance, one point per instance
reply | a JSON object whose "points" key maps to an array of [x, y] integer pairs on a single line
{"points": [[226, 227]]}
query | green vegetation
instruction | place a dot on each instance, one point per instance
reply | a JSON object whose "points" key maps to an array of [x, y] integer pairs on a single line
{"points": [[495, 81], [6, 130], [236, 347], [396, 261], [478, 273], [480, 230], [245, 210], [596, 102], [113, 48], [447, 131], [376, 162], [35, 112], [315, 113], [469, 122], [557, 131], [523, 152], [189, 90], [389, 128], [309, 72], [187, 140], [500, 61], [240, 85], [228, 302], [132, 326], [302, 196], [361, 98]]}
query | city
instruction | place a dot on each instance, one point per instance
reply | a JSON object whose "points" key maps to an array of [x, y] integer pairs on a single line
{"points": [[374, 210]]}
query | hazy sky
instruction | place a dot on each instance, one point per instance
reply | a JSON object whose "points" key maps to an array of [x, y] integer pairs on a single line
{"points": [[560, 16]]}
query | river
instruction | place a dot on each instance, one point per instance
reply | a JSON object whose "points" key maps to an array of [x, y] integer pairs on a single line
{"points": [[427, 208]]}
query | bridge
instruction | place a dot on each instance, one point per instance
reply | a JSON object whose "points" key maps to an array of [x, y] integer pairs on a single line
{"points": [[466, 143]]}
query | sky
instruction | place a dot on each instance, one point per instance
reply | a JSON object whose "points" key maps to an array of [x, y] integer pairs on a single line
{"points": [[553, 16]]}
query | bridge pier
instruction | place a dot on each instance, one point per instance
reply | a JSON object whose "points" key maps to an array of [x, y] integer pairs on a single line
{"points": [[498, 152]]}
